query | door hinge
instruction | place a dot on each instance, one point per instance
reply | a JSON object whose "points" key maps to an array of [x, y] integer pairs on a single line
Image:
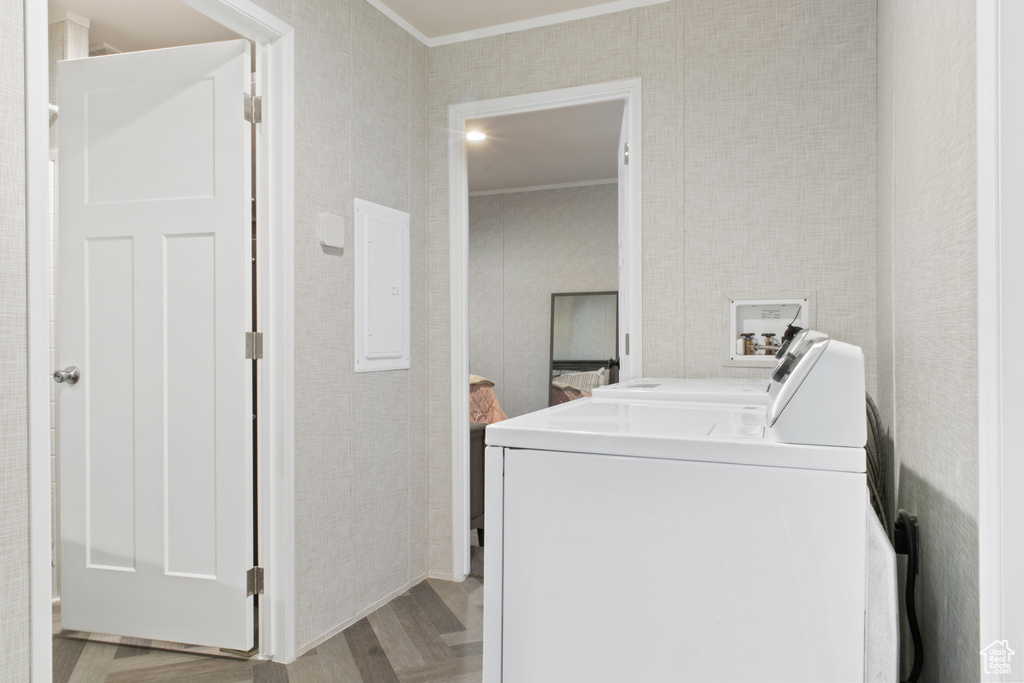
{"points": [[253, 108], [625, 154], [253, 345], [254, 581], [627, 345]]}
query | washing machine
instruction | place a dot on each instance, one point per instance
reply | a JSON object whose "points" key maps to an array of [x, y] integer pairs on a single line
{"points": [[705, 389], [633, 540]]}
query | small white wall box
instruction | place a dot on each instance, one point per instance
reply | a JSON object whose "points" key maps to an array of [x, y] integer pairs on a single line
{"points": [[756, 326], [332, 230], [381, 252]]}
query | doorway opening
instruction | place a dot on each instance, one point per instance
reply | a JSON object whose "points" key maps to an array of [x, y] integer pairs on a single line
{"points": [[272, 56], [621, 99]]}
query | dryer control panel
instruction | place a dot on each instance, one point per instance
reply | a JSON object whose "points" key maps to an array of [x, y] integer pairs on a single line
{"points": [[816, 394]]}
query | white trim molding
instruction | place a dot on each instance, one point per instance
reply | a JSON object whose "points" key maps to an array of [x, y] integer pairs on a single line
{"points": [[275, 43], [68, 15], [275, 182], [538, 22], [552, 186], [37, 155], [398, 19], [512, 26], [1000, 105], [458, 207]]}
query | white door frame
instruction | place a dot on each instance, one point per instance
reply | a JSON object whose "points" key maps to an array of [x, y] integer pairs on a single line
{"points": [[274, 41], [1000, 107], [458, 207]]}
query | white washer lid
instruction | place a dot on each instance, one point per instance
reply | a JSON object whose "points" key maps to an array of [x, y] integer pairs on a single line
{"points": [[722, 433], [699, 389]]}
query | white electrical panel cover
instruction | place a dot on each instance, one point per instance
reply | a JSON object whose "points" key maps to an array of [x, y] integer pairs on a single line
{"points": [[382, 287]]}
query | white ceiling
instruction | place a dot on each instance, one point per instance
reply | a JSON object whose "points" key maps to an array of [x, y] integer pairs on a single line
{"points": [[131, 25], [551, 147]]}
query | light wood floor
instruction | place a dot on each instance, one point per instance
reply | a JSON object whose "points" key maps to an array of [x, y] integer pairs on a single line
{"points": [[430, 634]]}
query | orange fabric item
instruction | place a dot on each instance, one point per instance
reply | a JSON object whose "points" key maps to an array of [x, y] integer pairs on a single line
{"points": [[483, 404]]}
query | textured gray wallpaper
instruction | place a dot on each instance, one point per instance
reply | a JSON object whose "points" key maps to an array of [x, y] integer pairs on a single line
{"points": [[759, 147], [523, 247], [360, 453], [931, 87], [778, 164], [14, 550], [884, 395], [487, 291]]}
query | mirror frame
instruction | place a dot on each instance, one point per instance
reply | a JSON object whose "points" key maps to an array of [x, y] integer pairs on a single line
{"points": [[594, 364]]}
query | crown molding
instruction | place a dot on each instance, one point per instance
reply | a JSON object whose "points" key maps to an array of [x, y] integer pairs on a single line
{"points": [[553, 186], [512, 27]]}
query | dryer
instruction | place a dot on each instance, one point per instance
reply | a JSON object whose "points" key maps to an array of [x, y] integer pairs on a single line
{"points": [[636, 540]]}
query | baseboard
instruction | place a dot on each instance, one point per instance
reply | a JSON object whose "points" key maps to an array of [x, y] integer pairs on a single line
{"points": [[351, 620], [442, 576]]}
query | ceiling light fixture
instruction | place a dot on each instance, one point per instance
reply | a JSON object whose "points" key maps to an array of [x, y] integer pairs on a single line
{"points": [[475, 136]]}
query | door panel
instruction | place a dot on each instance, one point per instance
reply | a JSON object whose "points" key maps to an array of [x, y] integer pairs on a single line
{"points": [[190, 391], [109, 448], [121, 146], [155, 297]]}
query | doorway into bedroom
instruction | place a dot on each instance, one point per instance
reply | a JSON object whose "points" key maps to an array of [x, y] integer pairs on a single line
{"points": [[543, 220], [543, 235]]}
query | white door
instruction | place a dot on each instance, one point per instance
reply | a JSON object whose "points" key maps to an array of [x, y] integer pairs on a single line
{"points": [[625, 366], [155, 297]]}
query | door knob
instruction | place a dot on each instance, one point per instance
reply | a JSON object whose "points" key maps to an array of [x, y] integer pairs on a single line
{"points": [[70, 375]]}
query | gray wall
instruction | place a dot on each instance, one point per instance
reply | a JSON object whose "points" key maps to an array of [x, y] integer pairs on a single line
{"points": [[524, 246], [927, 262], [758, 172], [14, 549], [360, 454]]}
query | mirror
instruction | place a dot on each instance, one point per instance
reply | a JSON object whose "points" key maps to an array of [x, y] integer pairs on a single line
{"points": [[584, 344]]}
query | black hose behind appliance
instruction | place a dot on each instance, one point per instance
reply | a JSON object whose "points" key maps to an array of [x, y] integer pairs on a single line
{"points": [[905, 540], [904, 533], [878, 467]]}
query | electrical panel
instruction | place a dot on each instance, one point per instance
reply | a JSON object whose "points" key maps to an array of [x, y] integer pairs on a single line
{"points": [[382, 302]]}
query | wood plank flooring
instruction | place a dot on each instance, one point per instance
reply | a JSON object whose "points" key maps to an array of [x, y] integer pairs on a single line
{"points": [[433, 633]]}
